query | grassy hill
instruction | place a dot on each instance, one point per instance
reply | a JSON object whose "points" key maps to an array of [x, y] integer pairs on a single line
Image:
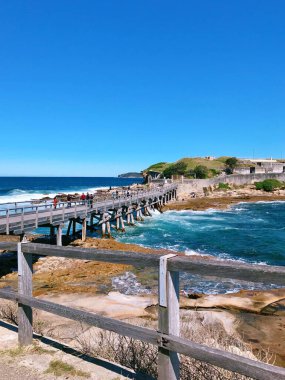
{"points": [[191, 162]]}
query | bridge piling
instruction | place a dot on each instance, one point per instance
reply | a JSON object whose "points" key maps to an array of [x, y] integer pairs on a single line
{"points": [[59, 235], [84, 229]]}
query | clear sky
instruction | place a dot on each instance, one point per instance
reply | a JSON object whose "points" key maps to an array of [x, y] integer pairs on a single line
{"points": [[96, 88]]}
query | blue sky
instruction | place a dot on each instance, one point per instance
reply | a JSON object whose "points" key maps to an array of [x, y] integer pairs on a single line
{"points": [[95, 88]]}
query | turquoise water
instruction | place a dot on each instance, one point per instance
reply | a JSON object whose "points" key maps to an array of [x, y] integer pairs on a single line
{"points": [[248, 232]]}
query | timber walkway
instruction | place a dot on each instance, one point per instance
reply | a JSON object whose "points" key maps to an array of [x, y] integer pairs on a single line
{"points": [[19, 219]]}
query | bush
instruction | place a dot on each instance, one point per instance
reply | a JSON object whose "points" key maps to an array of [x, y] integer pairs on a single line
{"points": [[223, 186], [214, 172], [201, 172], [268, 185], [231, 163], [142, 357], [174, 169]]}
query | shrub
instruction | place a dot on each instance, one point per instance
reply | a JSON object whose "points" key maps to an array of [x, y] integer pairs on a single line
{"points": [[174, 169], [201, 171], [223, 186], [142, 357], [268, 185], [214, 172], [231, 163]]}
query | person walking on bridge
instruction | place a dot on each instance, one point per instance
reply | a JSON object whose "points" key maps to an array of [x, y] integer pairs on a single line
{"points": [[83, 198], [88, 199], [55, 201], [91, 200]]}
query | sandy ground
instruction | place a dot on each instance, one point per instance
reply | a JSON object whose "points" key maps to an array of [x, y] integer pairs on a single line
{"points": [[32, 362]]}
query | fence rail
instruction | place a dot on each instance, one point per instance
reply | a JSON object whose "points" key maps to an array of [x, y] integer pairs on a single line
{"points": [[167, 337]]}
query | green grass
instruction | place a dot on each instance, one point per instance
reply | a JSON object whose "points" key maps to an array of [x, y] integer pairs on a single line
{"points": [[35, 348], [60, 368], [191, 162], [223, 186]]}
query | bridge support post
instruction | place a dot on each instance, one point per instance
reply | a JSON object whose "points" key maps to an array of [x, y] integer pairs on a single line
{"points": [[74, 227], [106, 224], [25, 313], [168, 319], [122, 224], [69, 227], [132, 218], [59, 236], [84, 229], [139, 213], [51, 232], [129, 215]]}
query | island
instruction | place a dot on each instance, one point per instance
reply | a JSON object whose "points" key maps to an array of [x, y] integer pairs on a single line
{"points": [[130, 175]]}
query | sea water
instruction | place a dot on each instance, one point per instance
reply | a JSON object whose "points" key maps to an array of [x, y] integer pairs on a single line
{"points": [[246, 232], [21, 189]]}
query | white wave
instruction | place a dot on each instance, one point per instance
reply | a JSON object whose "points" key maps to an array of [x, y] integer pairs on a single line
{"points": [[239, 209], [18, 195], [264, 202], [192, 252], [24, 197]]}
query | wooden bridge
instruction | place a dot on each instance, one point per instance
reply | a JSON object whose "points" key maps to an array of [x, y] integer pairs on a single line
{"points": [[167, 337], [103, 215]]}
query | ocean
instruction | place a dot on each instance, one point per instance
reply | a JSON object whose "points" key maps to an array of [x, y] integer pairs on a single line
{"points": [[246, 232], [21, 189]]}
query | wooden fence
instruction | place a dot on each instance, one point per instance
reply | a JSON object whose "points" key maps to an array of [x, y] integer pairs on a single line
{"points": [[166, 338]]}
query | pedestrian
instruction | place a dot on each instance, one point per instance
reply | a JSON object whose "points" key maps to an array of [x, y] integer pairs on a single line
{"points": [[68, 200], [55, 201], [83, 198], [91, 200], [88, 199]]}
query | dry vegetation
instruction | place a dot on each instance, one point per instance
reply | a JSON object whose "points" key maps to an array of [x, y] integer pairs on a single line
{"points": [[142, 357]]}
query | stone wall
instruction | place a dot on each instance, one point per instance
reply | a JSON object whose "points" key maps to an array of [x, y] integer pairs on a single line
{"points": [[196, 185]]}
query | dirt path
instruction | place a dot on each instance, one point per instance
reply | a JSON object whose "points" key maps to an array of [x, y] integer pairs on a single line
{"points": [[12, 372], [32, 363]]}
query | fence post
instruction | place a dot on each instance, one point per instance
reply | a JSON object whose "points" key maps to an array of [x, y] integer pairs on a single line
{"points": [[168, 319], [25, 287]]}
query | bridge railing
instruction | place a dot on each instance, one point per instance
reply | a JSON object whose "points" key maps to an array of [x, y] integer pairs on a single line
{"points": [[166, 338], [24, 208]]}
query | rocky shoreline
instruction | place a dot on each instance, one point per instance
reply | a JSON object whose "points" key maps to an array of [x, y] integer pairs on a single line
{"points": [[224, 199]]}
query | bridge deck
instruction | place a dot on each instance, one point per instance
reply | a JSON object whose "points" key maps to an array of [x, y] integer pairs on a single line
{"points": [[18, 219]]}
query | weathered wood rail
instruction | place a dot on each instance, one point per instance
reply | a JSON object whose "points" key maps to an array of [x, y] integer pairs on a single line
{"points": [[166, 338], [90, 214]]}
